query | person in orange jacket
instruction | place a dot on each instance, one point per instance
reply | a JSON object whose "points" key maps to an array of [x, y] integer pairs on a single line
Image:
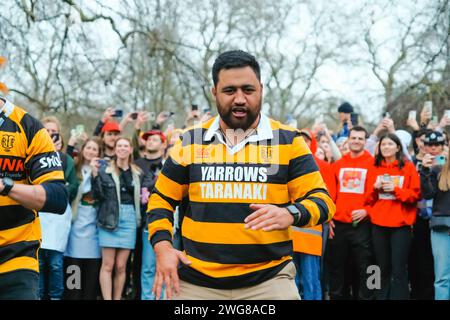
{"points": [[350, 228], [394, 189], [308, 243]]}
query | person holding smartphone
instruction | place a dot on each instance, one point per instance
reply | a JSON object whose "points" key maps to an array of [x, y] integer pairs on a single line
{"points": [[435, 185], [83, 250], [394, 189], [421, 259], [56, 228]]}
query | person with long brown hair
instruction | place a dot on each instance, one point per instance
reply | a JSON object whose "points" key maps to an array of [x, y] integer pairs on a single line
{"points": [[394, 190], [117, 188], [435, 184], [83, 249]]}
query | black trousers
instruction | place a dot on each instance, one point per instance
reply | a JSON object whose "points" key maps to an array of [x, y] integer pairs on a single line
{"points": [[391, 247], [353, 242], [421, 264], [19, 285], [89, 283]]}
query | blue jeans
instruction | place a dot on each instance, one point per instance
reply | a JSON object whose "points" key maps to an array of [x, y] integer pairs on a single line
{"points": [[51, 274], [440, 243], [149, 265], [308, 275], [148, 268]]}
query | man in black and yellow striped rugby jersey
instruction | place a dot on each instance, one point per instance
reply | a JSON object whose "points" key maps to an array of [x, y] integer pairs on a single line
{"points": [[248, 179], [31, 180]]}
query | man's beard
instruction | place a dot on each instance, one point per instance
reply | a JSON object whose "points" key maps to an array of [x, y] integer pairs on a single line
{"points": [[234, 123]]}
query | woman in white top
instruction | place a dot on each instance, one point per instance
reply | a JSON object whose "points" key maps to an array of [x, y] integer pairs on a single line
{"points": [[83, 253]]}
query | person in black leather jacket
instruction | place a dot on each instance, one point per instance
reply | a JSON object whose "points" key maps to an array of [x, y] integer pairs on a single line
{"points": [[117, 187]]}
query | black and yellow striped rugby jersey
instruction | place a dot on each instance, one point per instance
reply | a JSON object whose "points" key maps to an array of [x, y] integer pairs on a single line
{"points": [[27, 155], [277, 169]]}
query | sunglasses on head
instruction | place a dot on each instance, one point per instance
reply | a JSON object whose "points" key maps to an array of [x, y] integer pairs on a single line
{"points": [[434, 144]]}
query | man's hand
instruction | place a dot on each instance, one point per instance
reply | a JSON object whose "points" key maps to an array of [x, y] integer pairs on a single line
{"points": [[445, 121], [358, 215], [268, 217], [412, 123], [107, 115], [142, 117], [425, 116], [388, 124], [167, 259], [162, 117]]}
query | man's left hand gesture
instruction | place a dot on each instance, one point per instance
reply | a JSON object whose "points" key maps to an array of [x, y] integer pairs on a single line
{"points": [[268, 217]]}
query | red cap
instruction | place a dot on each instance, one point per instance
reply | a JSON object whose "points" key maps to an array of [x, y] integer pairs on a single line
{"points": [[153, 132], [111, 126]]}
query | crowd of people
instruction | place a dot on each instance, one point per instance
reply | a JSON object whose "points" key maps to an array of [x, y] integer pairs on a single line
{"points": [[383, 190], [381, 200]]}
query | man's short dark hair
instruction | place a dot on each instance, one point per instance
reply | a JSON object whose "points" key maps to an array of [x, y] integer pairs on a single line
{"points": [[234, 59], [359, 129]]}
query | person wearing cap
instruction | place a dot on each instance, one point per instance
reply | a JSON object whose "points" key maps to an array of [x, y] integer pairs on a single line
{"points": [[110, 133], [435, 185], [421, 259], [344, 110], [151, 163]]}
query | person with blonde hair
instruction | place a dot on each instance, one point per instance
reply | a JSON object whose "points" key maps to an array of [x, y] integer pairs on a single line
{"points": [[117, 187], [435, 184]]}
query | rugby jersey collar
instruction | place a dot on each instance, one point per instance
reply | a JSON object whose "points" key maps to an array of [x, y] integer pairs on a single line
{"points": [[7, 109], [263, 132]]}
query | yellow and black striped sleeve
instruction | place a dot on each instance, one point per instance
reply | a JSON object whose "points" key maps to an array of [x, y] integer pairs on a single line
{"points": [[170, 188], [306, 187], [43, 163]]}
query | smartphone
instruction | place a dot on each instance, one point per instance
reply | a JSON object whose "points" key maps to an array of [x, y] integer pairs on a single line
{"points": [[387, 115], [447, 113], [412, 115], [354, 118], [134, 115], [386, 178], [439, 160], [79, 128], [55, 137], [194, 107], [118, 113], [102, 162], [428, 106]]}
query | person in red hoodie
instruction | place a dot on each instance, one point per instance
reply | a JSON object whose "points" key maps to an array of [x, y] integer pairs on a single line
{"points": [[394, 189], [350, 228]]}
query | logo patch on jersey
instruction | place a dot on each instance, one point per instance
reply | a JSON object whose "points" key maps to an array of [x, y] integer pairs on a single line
{"points": [[8, 142], [266, 153], [50, 162]]}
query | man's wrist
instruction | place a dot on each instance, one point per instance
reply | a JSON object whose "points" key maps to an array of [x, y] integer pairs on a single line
{"points": [[295, 214]]}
